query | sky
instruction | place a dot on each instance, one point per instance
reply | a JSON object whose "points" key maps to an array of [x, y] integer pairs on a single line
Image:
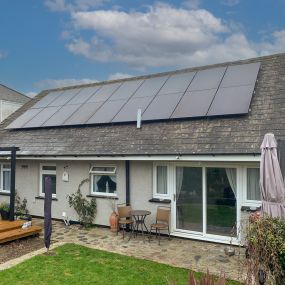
{"points": [[52, 43]]}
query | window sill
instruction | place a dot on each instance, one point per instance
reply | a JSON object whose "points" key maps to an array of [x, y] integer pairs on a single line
{"points": [[42, 198], [4, 193], [159, 200], [102, 197]]}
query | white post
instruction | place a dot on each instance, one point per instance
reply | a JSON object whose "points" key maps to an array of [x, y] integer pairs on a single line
{"points": [[139, 118]]}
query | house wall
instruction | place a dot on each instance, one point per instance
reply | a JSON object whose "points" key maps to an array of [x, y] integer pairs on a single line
{"points": [[141, 188], [28, 181], [7, 108]]}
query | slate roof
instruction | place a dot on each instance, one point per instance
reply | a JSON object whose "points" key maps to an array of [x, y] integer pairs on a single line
{"points": [[226, 135], [11, 95]]}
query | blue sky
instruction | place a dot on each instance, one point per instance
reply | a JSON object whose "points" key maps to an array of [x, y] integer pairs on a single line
{"points": [[52, 43]]}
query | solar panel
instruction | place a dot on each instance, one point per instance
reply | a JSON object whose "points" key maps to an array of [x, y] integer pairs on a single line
{"points": [[47, 99], [24, 118], [104, 93], [107, 112], [211, 92], [162, 107], [126, 90], [64, 97], [61, 115], [150, 87], [84, 95], [81, 115], [243, 74], [207, 79], [41, 117], [194, 104], [177, 83], [129, 112], [232, 100]]}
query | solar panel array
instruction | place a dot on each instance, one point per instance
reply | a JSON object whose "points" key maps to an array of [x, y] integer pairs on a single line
{"points": [[211, 92]]}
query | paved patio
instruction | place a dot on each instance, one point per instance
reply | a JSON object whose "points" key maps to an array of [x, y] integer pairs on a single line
{"points": [[195, 255]]}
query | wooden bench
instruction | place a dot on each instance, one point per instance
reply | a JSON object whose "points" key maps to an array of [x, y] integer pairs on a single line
{"points": [[13, 230]]}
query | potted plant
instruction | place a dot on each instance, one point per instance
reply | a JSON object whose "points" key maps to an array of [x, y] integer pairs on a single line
{"points": [[4, 211], [114, 218]]}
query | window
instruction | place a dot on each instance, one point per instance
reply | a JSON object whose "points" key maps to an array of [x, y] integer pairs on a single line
{"points": [[252, 184], [5, 177], [48, 170], [103, 180], [160, 181]]}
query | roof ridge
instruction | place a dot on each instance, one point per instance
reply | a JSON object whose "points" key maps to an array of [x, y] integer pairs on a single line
{"points": [[22, 94]]}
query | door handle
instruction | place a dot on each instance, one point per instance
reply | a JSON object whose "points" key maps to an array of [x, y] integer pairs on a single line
{"points": [[174, 197]]}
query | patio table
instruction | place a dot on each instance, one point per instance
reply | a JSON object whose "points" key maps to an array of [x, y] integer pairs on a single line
{"points": [[139, 217]]}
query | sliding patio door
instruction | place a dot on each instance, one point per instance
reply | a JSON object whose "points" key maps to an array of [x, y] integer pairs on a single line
{"points": [[206, 201], [189, 199], [221, 211]]}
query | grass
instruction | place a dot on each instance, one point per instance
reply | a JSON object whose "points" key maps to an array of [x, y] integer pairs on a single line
{"points": [[75, 264]]}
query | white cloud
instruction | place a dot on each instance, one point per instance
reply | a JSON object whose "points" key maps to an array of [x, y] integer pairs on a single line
{"points": [[277, 44], [3, 54], [72, 5], [230, 2], [57, 83], [161, 36], [31, 94], [119, 75], [191, 4]]}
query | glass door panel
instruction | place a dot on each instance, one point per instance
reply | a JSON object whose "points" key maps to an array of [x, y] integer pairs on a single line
{"points": [[221, 201], [189, 199]]}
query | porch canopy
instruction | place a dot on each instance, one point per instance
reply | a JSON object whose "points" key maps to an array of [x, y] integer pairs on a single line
{"points": [[12, 150], [271, 180]]}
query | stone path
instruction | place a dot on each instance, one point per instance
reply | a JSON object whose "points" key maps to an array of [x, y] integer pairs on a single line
{"points": [[195, 255]]}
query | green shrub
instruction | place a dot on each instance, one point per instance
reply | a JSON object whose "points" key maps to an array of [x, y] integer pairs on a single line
{"points": [[86, 210], [5, 207], [266, 246]]}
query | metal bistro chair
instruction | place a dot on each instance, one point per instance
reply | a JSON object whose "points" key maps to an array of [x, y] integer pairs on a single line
{"points": [[162, 222], [125, 218]]}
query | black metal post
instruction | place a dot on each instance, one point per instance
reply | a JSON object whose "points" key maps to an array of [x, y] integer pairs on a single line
{"points": [[128, 201], [12, 186]]}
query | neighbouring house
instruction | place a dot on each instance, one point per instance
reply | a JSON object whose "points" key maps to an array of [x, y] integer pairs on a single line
{"points": [[10, 101], [187, 139]]}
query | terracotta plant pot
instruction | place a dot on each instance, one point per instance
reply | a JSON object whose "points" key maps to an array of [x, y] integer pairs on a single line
{"points": [[113, 220]]}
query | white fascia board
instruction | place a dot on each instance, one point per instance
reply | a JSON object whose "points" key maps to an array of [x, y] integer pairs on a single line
{"points": [[224, 158]]}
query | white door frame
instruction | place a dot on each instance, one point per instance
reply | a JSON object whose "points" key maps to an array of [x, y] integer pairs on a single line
{"points": [[203, 235]]}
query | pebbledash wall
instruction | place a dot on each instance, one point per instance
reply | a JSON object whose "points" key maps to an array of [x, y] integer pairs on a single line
{"points": [[28, 181]]}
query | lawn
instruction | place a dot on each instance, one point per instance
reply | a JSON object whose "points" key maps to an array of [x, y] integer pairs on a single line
{"points": [[74, 264]]}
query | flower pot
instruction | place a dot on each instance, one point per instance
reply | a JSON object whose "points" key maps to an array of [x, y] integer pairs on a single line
{"points": [[113, 220], [4, 215]]}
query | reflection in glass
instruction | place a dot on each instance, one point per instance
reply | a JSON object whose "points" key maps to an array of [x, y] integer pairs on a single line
{"points": [[221, 201], [189, 201]]}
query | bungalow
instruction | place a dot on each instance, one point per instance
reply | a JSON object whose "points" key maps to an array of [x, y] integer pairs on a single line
{"points": [[10, 101], [189, 139]]}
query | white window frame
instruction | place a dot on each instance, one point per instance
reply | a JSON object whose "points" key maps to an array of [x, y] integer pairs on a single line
{"points": [[154, 187], [51, 172], [245, 201], [92, 173], [2, 169]]}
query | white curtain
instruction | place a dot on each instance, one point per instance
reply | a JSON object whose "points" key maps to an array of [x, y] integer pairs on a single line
{"points": [[232, 177], [179, 181], [253, 188], [161, 179], [6, 180]]}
